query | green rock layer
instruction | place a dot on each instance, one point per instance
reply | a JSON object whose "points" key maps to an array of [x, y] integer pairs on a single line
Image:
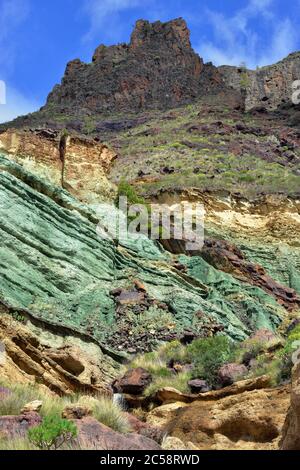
{"points": [[54, 265]]}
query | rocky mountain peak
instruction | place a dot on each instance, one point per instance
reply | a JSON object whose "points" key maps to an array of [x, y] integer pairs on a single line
{"points": [[173, 32], [157, 69]]}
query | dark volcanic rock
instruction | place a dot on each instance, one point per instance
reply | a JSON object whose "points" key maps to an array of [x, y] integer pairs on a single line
{"points": [[158, 69], [199, 386], [134, 382]]}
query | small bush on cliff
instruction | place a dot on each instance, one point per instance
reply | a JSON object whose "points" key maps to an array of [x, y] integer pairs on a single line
{"points": [[208, 355], [247, 351], [125, 189], [173, 351], [152, 363], [53, 433]]}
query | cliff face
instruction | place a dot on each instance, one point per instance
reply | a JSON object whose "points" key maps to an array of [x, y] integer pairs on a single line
{"points": [[269, 87], [158, 69], [76, 164]]}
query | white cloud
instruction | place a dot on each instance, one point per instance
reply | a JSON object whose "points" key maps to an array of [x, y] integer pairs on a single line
{"points": [[101, 14], [16, 105], [235, 41]]}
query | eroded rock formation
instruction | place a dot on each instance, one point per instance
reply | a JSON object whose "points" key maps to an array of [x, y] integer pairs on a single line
{"points": [[291, 431], [269, 87], [77, 164], [64, 363]]}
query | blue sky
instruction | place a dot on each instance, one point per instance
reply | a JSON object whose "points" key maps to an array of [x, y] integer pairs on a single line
{"points": [[38, 37]]}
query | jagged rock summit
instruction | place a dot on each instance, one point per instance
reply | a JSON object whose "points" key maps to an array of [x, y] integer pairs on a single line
{"points": [[157, 69]]}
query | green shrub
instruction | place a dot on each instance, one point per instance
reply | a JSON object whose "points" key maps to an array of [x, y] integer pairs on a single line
{"points": [[53, 433], [248, 350], [273, 367], [153, 319], [127, 190], [208, 355], [173, 350]]}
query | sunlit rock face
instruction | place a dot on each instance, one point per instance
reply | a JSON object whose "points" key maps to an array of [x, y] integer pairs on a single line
{"points": [[270, 87], [77, 164]]}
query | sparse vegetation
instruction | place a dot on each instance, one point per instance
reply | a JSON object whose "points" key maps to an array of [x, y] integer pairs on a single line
{"points": [[208, 355], [127, 190], [53, 433], [173, 364], [108, 413]]}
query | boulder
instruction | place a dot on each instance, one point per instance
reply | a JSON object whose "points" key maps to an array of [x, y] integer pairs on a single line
{"points": [[198, 386], [76, 412], [291, 431], [231, 373], [173, 443], [34, 406], [168, 395], [93, 435], [134, 382], [16, 427]]}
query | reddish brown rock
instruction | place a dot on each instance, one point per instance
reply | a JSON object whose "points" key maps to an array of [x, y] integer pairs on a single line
{"points": [[95, 436], [230, 373], [14, 427], [77, 164], [139, 427], [199, 386], [264, 336], [227, 257], [158, 69], [134, 382]]}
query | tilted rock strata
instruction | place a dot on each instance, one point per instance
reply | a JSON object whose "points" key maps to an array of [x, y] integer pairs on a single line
{"points": [[57, 269], [65, 364]]}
